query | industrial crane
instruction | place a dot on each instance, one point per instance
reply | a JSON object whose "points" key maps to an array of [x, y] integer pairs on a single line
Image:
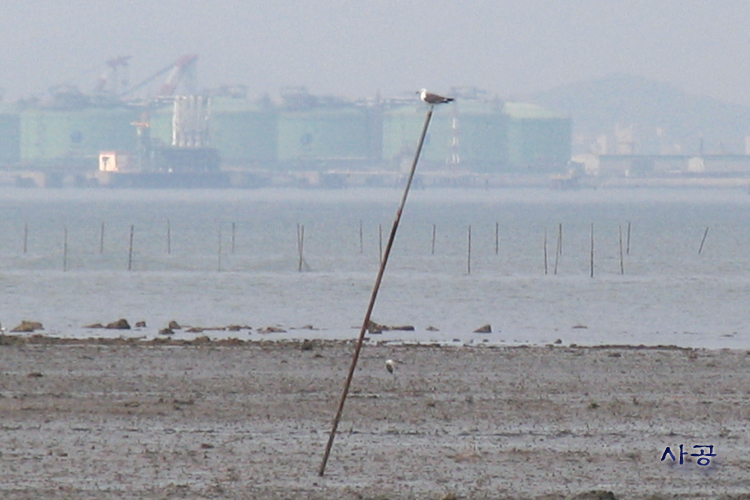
{"points": [[180, 70], [115, 76]]}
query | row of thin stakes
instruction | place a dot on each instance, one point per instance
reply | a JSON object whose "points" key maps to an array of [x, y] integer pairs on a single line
{"points": [[558, 250], [130, 244], [624, 245]]}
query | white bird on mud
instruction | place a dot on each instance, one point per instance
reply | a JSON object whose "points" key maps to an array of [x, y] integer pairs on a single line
{"points": [[430, 98], [390, 365]]}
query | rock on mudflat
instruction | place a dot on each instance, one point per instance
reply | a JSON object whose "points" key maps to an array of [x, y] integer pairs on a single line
{"points": [[402, 328], [373, 327], [28, 327], [595, 495], [120, 324], [272, 329], [484, 329]]}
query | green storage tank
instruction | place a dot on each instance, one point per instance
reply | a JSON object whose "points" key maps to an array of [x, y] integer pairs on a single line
{"points": [[160, 124], [10, 137], [245, 133], [479, 136], [465, 135], [539, 141], [75, 136], [346, 136], [402, 127]]}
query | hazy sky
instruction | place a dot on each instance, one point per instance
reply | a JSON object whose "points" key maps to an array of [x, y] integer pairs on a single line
{"points": [[357, 48]]}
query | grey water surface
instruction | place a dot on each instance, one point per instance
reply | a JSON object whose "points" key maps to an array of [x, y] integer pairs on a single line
{"points": [[208, 274]]}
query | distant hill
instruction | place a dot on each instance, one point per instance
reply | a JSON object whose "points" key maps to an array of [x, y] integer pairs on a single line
{"points": [[652, 117]]}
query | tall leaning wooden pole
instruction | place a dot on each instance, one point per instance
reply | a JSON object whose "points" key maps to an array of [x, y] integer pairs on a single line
{"points": [[374, 295]]}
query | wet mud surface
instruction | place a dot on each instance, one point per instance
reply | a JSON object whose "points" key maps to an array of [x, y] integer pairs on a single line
{"points": [[232, 420]]}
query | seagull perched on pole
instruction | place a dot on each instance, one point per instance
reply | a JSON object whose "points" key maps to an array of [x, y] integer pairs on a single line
{"points": [[433, 99]]}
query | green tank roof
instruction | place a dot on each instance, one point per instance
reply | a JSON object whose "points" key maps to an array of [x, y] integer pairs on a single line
{"points": [[528, 111]]}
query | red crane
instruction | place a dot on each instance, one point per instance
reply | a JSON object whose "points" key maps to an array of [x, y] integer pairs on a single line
{"points": [[179, 71]]}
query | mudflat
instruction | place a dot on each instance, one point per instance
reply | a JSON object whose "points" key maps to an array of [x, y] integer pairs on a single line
{"points": [[249, 420]]}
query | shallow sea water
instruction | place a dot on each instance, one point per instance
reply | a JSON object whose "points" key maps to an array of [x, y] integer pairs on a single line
{"points": [[668, 294]]}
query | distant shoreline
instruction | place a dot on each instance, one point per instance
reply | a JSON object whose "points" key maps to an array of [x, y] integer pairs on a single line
{"points": [[201, 341], [354, 179]]}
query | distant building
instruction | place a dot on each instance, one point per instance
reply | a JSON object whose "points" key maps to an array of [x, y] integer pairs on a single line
{"points": [[481, 137], [300, 133]]}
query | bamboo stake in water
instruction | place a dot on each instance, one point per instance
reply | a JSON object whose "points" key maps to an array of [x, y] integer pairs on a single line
{"points": [[101, 239], [545, 250], [218, 267], [622, 264], [234, 231], [497, 237], [592, 249], [65, 248], [434, 232], [705, 233], [361, 239], [627, 248], [468, 253], [300, 244], [130, 248], [25, 237], [371, 305], [169, 237], [558, 250]]}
